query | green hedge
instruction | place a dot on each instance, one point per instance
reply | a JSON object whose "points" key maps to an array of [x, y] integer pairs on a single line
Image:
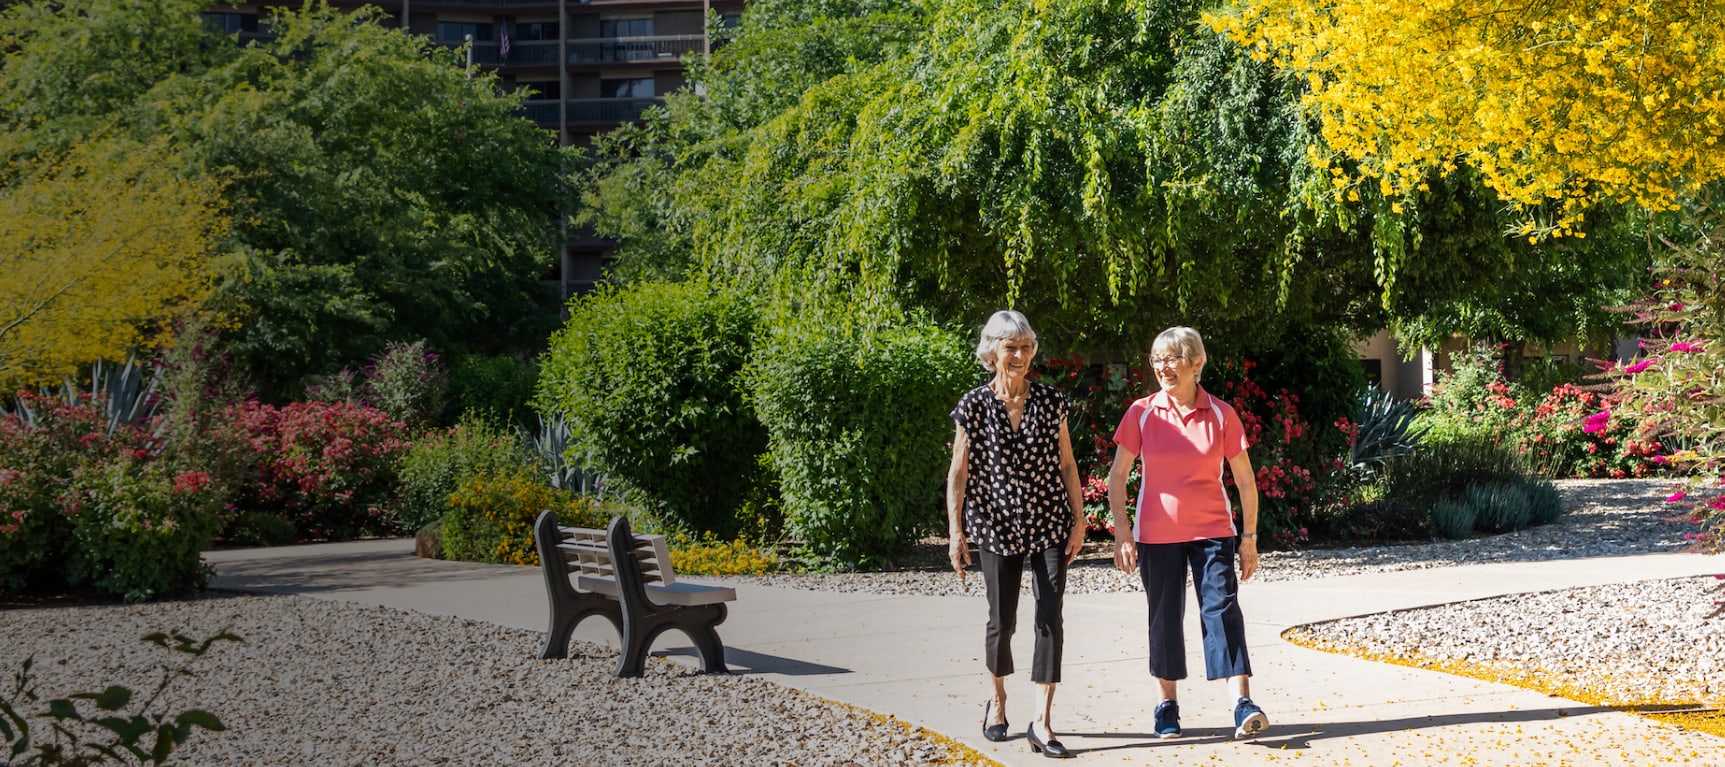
{"points": [[441, 461], [140, 531], [648, 377], [860, 434]]}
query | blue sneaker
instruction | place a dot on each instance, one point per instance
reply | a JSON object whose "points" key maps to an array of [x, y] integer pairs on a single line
{"points": [[1249, 720], [1167, 719]]}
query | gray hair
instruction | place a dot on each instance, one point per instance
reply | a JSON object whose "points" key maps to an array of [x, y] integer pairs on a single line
{"points": [[1004, 325], [1183, 341]]}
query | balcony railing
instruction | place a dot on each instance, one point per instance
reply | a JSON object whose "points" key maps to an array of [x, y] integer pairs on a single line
{"points": [[667, 48], [588, 50], [544, 112]]}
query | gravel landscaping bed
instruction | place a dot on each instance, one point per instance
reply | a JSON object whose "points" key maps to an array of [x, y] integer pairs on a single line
{"points": [[1636, 643], [1602, 518], [334, 683]]}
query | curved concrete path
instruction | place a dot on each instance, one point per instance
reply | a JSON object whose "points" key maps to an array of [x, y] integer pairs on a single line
{"points": [[918, 658]]}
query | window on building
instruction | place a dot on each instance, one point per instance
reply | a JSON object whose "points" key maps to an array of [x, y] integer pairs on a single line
{"points": [[231, 23], [642, 27], [731, 20], [457, 31], [535, 30], [626, 88]]}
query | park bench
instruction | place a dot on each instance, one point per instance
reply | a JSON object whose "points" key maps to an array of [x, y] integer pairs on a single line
{"points": [[626, 578]]}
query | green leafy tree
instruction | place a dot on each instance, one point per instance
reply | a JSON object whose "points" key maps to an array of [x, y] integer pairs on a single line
{"points": [[1108, 166], [376, 193]]}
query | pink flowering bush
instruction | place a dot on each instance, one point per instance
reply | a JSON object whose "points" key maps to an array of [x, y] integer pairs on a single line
{"points": [[140, 530], [1675, 397], [1564, 431], [38, 454], [329, 467], [1298, 468]]}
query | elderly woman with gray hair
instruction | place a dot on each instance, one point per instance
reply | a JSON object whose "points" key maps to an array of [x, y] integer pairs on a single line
{"points": [[1184, 437], [1013, 491]]}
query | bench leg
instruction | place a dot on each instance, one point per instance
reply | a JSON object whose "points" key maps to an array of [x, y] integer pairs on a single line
{"points": [[706, 639], [557, 635], [697, 622], [632, 656], [568, 613]]}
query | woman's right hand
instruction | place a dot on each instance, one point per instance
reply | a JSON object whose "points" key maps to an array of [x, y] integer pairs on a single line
{"points": [[960, 553], [1125, 554]]}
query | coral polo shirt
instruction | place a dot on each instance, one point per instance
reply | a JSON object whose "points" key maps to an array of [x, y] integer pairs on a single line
{"points": [[1183, 498]]}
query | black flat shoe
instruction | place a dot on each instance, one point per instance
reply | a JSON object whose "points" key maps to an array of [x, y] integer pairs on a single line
{"points": [[993, 733], [1051, 749]]}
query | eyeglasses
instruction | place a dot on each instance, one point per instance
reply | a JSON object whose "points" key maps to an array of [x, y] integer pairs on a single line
{"points": [[1166, 362]]}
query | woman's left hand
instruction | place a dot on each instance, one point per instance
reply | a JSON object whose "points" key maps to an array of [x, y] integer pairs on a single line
{"points": [[1074, 543], [1248, 558]]}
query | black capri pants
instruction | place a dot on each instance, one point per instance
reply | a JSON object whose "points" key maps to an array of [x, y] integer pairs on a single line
{"points": [[1002, 573]]}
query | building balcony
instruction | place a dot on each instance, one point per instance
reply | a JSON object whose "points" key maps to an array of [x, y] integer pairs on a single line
{"points": [[661, 49], [588, 111]]}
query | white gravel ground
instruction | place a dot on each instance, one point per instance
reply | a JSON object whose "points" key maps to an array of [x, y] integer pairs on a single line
{"points": [[331, 683]]}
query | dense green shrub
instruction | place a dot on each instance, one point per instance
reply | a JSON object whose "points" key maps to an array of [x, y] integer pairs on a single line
{"points": [[491, 517], [499, 386], [1544, 503], [197, 423], [255, 528], [140, 531], [1453, 518], [1396, 502], [647, 376], [1501, 507], [860, 433], [441, 461]]}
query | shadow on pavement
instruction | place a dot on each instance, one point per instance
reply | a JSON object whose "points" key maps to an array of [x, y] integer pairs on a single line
{"points": [[761, 663], [1299, 735]]}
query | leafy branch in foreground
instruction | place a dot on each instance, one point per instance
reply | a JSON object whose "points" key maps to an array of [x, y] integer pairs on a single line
{"points": [[107, 735]]}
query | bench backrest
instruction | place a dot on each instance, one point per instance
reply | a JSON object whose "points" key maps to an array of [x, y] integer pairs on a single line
{"points": [[585, 552]]}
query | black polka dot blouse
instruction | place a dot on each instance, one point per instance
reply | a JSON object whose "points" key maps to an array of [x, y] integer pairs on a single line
{"points": [[1014, 499]]}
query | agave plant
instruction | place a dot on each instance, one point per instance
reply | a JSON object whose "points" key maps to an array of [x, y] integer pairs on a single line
{"points": [[1386, 430], [551, 444], [127, 394]]}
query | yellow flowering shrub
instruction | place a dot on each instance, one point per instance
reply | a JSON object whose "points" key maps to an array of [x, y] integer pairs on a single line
{"points": [[1559, 104], [491, 517], [710, 556]]}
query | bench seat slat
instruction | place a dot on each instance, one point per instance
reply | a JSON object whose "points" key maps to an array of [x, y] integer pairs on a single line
{"points": [[688, 594]]}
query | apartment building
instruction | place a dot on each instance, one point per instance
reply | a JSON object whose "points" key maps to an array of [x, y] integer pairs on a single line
{"points": [[586, 66]]}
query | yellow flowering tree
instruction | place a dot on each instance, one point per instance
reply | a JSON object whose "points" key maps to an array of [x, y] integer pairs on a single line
{"points": [[99, 249], [1560, 105]]}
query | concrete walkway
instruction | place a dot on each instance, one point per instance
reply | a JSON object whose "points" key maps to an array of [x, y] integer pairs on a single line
{"points": [[918, 658]]}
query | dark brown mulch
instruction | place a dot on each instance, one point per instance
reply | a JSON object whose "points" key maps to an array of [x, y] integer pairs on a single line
{"points": [[11, 601]]}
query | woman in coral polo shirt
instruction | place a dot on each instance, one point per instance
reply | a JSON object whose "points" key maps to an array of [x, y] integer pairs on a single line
{"points": [[1184, 436]]}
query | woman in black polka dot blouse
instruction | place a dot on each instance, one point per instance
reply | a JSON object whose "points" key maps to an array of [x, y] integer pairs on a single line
{"points": [[1013, 491]]}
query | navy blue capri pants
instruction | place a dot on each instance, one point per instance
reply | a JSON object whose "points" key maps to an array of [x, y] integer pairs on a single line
{"points": [[1163, 568]]}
